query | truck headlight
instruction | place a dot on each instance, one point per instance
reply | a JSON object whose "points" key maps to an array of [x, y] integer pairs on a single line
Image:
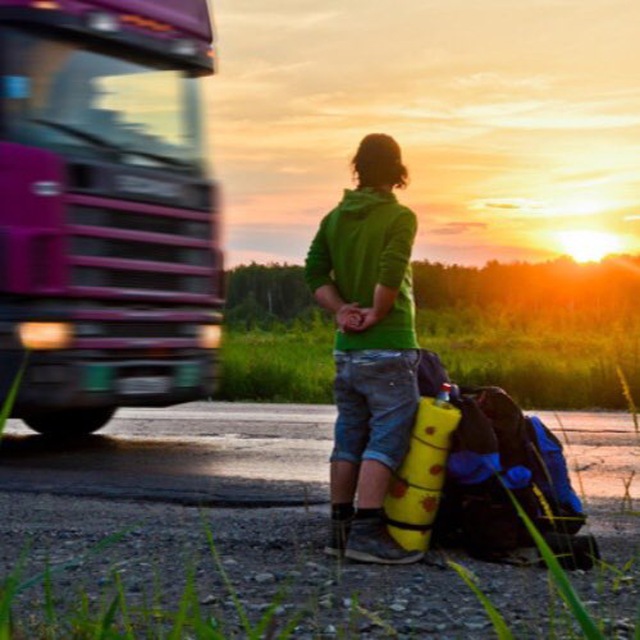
{"points": [[209, 336], [40, 336], [48, 5]]}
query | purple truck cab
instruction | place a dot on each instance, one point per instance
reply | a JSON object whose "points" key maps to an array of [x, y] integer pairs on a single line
{"points": [[111, 271]]}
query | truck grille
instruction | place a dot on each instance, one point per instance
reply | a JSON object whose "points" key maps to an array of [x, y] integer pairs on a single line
{"points": [[130, 221], [154, 252], [136, 330], [139, 281], [106, 248]]}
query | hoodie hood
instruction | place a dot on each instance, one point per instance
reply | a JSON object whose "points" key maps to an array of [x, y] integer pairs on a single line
{"points": [[362, 201]]}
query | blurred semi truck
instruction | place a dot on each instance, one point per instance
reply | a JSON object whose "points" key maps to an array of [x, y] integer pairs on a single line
{"points": [[111, 273]]}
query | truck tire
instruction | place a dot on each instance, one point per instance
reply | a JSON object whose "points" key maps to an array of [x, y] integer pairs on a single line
{"points": [[70, 422]]}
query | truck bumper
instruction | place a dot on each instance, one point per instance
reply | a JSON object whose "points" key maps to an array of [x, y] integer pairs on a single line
{"points": [[62, 380]]}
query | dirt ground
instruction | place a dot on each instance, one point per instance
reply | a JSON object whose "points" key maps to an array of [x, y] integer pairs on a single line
{"points": [[275, 556], [271, 559]]}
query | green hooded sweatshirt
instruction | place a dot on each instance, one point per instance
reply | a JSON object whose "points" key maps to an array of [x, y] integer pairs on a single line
{"points": [[366, 240]]}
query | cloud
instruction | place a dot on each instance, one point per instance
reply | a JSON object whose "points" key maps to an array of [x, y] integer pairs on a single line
{"points": [[456, 228], [491, 81], [549, 114], [475, 254], [502, 205], [507, 204]]}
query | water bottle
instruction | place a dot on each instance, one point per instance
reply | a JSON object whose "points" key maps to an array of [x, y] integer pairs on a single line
{"points": [[443, 397]]}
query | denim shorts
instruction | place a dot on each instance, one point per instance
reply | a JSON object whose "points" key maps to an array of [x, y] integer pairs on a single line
{"points": [[376, 393]]}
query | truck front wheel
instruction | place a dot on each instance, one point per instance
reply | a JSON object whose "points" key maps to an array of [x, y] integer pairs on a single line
{"points": [[70, 422]]}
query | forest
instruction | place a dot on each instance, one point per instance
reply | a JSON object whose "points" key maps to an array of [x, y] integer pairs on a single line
{"points": [[603, 292]]}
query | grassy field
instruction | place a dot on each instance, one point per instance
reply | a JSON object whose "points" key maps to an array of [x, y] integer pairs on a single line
{"points": [[566, 363]]}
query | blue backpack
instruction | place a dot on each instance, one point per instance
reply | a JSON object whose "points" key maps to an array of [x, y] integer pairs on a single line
{"points": [[496, 441], [551, 478]]}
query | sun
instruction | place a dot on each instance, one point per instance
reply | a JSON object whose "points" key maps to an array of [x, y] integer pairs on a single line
{"points": [[589, 246]]}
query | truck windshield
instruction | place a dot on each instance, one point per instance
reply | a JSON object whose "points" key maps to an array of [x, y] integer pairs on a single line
{"points": [[58, 94]]}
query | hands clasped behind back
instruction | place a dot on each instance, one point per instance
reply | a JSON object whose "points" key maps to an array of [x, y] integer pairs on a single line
{"points": [[352, 318]]}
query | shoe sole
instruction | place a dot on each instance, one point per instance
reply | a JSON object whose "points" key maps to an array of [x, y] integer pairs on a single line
{"points": [[361, 556], [333, 552]]}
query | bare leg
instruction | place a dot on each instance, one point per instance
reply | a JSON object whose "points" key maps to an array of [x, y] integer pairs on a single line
{"points": [[372, 484], [344, 479]]}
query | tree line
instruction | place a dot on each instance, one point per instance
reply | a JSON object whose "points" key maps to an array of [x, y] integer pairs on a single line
{"points": [[607, 291]]}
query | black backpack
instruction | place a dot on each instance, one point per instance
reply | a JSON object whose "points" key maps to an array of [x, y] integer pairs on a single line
{"points": [[431, 374], [496, 451]]}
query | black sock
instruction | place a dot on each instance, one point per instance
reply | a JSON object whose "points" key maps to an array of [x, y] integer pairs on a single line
{"points": [[342, 511], [368, 514]]}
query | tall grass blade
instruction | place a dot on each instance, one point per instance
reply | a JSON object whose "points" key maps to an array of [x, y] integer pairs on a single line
{"points": [[560, 578], [626, 391], [49, 607], [620, 574], [242, 614], [289, 629], [499, 624], [9, 589], [189, 616], [207, 629], [267, 625], [9, 401], [7, 592], [375, 618], [14, 585], [108, 620], [178, 630], [124, 612]]}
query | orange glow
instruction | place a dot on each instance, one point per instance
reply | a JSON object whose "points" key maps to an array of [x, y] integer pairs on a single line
{"points": [[40, 336], [507, 145], [145, 23], [44, 4]]}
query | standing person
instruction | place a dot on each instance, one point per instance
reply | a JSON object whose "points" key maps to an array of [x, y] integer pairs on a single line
{"points": [[358, 267]]}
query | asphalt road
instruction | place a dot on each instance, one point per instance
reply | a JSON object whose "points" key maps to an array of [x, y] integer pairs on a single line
{"points": [[232, 454]]}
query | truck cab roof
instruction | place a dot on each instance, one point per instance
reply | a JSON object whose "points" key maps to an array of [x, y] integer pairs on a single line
{"points": [[190, 17]]}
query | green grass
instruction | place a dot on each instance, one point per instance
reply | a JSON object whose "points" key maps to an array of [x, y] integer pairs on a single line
{"points": [[110, 616], [282, 365], [499, 624], [8, 402], [562, 366]]}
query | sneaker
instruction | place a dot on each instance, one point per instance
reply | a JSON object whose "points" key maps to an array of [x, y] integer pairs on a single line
{"points": [[370, 541], [338, 537]]}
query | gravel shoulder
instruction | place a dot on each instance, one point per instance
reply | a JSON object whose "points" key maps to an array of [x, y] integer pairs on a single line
{"points": [[267, 552]]}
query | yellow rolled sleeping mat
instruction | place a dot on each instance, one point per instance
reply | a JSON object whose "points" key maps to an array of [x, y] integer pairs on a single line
{"points": [[413, 498]]}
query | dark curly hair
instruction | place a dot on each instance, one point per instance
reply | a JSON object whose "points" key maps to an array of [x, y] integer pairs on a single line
{"points": [[378, 162]]}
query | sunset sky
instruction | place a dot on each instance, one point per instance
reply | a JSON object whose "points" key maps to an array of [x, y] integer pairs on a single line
{"points": [[519, 122]]}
